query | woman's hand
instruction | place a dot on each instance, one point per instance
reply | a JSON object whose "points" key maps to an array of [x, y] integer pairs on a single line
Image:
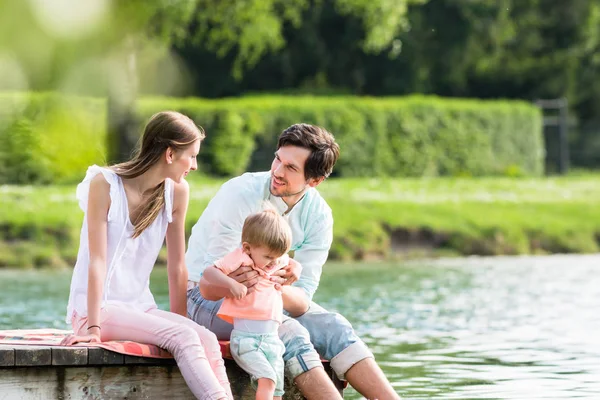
{"points": [[288, 274], [89, 338]]}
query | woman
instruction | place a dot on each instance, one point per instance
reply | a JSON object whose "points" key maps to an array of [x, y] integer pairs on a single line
{"points": [[129, 210]]}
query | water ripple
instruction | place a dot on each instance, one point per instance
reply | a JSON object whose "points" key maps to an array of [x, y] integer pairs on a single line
{"points": [[471, 328]]}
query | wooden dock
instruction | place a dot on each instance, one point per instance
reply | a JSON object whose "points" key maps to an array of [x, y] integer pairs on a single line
{"points": [[54, 372]]}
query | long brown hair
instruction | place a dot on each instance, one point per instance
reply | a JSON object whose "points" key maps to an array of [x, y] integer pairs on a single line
{"points": [[165, 129]]}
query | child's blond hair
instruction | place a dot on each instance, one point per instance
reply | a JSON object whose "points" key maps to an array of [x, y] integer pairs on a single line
{"points": [[268, 229]]}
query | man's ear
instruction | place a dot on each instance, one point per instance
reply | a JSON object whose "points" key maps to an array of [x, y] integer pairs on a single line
{"points": [[314, 182]]}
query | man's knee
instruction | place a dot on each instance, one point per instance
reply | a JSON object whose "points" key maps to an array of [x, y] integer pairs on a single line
{"points": [[334, 338], [295, 338], [341, 345], [300, 355], [330, 332], [340, 325]]}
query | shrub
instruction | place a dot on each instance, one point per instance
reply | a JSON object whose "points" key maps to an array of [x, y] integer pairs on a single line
{"points": [[50, 137]]}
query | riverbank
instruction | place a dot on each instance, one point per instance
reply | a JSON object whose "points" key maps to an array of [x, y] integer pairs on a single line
{"points": [[374, 218]]}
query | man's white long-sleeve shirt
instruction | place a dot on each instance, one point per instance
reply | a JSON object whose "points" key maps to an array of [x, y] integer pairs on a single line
{"points": [[219, 229]]}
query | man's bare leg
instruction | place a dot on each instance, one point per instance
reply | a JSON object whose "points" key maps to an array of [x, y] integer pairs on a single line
{"points": [[316, 385], [368, 379]]}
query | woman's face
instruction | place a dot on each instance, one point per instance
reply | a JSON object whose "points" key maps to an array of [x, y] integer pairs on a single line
{"points": [[183, 162]]}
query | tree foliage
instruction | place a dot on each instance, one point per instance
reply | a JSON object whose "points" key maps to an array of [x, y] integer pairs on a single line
{"points": [[525, 49]]}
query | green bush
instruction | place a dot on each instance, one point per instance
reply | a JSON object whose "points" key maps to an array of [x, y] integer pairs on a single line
{"points": [[50, 137], [55, 137], [411, 136]]}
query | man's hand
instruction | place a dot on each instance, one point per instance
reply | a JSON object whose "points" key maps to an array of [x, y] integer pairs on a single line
{"points": [[246, 276], [238, 291], [289, 274]]}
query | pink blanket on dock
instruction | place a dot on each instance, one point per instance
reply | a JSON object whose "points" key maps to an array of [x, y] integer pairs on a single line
{"points": [[53, 337]]}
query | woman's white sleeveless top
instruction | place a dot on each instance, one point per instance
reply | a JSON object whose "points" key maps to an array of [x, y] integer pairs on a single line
{"points": [[128, 261]]}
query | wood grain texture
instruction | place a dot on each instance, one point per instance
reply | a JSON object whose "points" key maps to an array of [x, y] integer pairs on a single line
{"points": [[44, 372], [100, 356], [69, 356], [7, 356], [32, 356]]}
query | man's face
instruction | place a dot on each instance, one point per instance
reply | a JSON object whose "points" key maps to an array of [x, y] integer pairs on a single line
{"points": [[287, 171]]}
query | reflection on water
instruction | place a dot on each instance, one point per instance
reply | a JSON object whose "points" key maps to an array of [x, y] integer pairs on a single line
{"points": [[505, 328], [475, 328]]}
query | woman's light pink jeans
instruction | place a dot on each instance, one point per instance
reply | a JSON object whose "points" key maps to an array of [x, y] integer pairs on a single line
{"points": [[194, 347]]}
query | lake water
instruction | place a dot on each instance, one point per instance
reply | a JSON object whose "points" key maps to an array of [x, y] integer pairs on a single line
{"points": [[468, 328]]}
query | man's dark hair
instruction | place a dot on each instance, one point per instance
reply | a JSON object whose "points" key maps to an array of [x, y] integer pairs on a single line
{"points": [[324, 151]]}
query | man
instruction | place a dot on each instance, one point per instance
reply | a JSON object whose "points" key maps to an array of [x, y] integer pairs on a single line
{"points": [[305, 156]]}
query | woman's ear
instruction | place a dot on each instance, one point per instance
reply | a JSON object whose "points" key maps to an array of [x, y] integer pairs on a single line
{"points": [[169, 155]]}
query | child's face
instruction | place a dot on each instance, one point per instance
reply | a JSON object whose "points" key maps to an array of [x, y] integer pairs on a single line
{"points": [[263, 257]]}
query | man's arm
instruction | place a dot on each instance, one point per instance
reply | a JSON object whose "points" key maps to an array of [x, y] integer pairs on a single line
{"points": [[295, 301], [312, 256], [227, 210]]}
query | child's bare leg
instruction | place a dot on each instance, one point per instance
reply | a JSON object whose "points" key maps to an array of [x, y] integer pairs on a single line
{"points": [[265, 390], [277, 398]]}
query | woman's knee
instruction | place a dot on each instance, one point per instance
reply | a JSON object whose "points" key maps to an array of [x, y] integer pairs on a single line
{"points": [[208, 339], [182, 337]]}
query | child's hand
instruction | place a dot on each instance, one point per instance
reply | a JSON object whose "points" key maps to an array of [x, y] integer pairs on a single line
{"points": [[277, 286], [238, 291]]}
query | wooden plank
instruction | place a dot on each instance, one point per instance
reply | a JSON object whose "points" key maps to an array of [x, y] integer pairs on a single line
{"points": [[32, 356], [148, 361], [7, 356], [100, 356], [69, 355], [115, 382], [122, 382]]}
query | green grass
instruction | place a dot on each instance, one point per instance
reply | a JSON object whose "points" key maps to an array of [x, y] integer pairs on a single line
{"points": [[40, 225]]}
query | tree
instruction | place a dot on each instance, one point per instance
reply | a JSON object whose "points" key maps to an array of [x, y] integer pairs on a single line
{"points": [[254, 28], [89, 47]]}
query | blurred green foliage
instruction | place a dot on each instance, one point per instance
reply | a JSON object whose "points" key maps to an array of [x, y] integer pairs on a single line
{"points": [[487, 49], [54, 138], [48, 137], [513, 49]]}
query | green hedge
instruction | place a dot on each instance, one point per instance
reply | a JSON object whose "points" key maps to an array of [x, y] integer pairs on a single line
{"points": [[409, 136], [49, 137]]}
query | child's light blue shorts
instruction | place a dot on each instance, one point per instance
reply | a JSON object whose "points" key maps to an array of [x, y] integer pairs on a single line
{"points": [[260, 355]]}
